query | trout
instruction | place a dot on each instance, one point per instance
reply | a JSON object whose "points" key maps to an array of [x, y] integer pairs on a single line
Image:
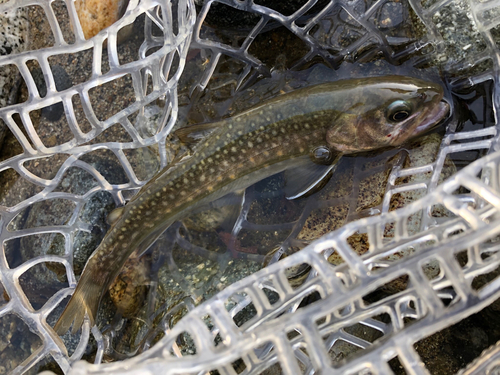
{"points": [[310, 127]]}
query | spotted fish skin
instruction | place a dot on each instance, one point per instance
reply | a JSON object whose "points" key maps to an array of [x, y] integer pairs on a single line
{"points": [[247, 148]]}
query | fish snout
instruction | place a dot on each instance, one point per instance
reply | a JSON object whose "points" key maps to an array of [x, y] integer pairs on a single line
{"points": [[434, 117]]}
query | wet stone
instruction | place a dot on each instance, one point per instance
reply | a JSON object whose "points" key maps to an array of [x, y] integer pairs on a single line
{"points": [[17, 342], [451, 349], [12, 40], [62, 81]]}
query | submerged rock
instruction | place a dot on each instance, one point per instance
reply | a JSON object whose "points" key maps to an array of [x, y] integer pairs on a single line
{"points": [[13, 40]]}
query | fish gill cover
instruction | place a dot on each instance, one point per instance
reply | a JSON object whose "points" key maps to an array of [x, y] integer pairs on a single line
{"points": [[92, 122]]}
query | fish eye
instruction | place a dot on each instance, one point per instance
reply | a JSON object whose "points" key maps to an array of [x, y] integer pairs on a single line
{"points": [[322, 155], [398, 111]]}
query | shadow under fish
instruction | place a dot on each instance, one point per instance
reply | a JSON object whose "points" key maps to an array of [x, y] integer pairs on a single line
{"points": [[303, 133]]}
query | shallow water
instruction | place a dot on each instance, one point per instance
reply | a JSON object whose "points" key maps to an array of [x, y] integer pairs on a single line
{"points": [[234, 237], [203, 254]]}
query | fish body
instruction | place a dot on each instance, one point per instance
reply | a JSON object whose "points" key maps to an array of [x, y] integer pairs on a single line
{"points": [[342, 117]]}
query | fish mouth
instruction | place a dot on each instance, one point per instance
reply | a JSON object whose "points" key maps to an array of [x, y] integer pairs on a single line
{"points": [[435, 117]]}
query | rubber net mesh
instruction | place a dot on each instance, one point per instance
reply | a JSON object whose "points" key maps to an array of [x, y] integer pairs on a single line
{"points": [[442, 250]]}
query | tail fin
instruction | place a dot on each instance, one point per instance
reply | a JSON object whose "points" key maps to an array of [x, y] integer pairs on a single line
{"points": [[85, 301]]}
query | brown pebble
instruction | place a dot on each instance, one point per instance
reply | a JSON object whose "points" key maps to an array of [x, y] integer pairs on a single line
{"points": [[96, 15]]}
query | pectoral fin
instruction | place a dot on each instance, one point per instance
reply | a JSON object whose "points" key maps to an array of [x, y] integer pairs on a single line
{"points": [[306, 176]]}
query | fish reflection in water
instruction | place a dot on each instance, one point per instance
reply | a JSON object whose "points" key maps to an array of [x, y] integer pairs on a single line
{"points": [[303, 132]]}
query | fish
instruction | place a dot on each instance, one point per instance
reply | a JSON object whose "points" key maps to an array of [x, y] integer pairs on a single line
{"points": [[303, 132]]}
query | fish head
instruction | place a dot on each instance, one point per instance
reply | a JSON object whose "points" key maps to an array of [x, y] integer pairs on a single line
{"points": [[386, 112]]}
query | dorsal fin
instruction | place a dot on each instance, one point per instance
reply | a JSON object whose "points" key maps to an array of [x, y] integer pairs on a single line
{"points": [[194, 133]]}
